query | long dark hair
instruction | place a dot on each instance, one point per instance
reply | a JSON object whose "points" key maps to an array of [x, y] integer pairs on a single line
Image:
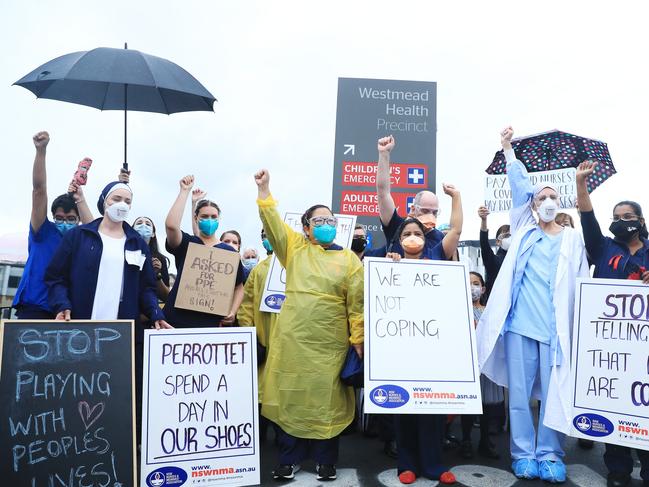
{"points": [[153, 242], [397, 235], [637, 209]]}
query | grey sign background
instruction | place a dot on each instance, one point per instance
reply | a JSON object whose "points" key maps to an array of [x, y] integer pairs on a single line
{"points": [[357, 121]]}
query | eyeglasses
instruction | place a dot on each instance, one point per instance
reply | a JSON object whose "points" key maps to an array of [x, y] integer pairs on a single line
{"points": [[627, 217], [426, 211], [318, 221], [69, 219]]}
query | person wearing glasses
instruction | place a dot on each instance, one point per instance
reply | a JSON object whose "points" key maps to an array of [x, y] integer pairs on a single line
{"points": [[626, 256], [321, 316], [45, 235], [425, 206], [524, 333], [492, 260], [205, 222]]}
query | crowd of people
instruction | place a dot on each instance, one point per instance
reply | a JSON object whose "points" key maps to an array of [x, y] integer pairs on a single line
{"points": [[80, 267]]}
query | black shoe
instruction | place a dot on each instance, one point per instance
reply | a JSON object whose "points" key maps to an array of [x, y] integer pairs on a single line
{"points": [[390, 449], [285, 472], [585, 444], [488, 451], [325, 472], [616, 479], [466, 450], [449, 442]]}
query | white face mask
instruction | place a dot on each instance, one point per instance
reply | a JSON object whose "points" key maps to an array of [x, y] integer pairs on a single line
{"points": [[476, 292], [505, 243], [118, 212], [548, 210]]}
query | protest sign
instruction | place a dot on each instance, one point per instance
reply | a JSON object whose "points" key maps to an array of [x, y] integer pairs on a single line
{"points": [[498, 194], [610, 362], [275, 286], [420, 348], [68, 403], [199, 408], [208, 279]]}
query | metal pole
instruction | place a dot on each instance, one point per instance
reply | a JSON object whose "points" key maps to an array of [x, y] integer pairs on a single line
{"points": [[125, 121]]}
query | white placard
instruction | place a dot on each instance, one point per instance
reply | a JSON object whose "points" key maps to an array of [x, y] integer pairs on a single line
{"points": [[275, 287], [420, 348], [199, 408], [498, 194], [610, 361]]}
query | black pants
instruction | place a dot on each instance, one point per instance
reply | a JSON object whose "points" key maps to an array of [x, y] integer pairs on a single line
{"points": [[419, 442], [489, 416], [33, 313], [293, 450], [618, 459]]}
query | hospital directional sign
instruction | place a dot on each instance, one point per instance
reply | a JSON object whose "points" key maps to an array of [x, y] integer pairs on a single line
{"points": [[367, 110]]}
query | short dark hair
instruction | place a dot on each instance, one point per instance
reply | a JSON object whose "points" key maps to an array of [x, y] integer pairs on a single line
{"points": [[203, 204], [479, 276], [502, 229], [66, 203], [309, 213], [408, 221], [637, 209]]}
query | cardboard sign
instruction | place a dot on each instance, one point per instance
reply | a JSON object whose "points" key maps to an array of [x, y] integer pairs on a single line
{"points": [[208, 279], [68, 403], [420, 348], [275, 286], [610, 362], [498, 194], [199, 408]]}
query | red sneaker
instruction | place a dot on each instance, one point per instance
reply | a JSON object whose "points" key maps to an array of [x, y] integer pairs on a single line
{"points": [[447, 478], [408, 477]]}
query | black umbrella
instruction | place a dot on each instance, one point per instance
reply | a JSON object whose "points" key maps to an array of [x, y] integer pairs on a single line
{"points": [[557, 150], [119, 79]]}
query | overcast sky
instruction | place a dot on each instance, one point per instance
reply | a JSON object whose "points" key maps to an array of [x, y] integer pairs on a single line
{"points": [[577, 66]]}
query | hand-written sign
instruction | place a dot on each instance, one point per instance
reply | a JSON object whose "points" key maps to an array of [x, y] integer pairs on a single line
{"points": [[498, 194], [610, 361], [275, 286], [68, 404], [208, 279], [200, 412], [419, 338]]}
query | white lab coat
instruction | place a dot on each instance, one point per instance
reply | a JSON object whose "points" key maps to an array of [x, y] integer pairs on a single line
{"points": [[572, 263]]}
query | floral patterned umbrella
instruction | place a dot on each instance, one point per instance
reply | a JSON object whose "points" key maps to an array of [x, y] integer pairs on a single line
{"points": [[558, 150]]}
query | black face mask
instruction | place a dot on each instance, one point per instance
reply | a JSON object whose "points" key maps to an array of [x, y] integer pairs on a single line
{"points": [[359, 244], [625, 231]]}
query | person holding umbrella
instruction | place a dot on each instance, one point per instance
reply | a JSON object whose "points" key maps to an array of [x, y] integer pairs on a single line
{"points": [[321, 316], [626, 256], [524, 333]]}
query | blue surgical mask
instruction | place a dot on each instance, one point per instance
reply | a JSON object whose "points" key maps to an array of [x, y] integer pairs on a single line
{"points": [[63, 227], [145, 231], [267, 245], [208, 226], [249, 263], [324, 234]]}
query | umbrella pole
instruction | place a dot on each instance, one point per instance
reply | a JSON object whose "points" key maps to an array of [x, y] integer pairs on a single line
{"points": [[125, 165]]}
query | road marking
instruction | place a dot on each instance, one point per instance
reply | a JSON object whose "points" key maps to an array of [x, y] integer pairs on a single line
{"points": [[345, 477], [389, 478], [482, 476]]}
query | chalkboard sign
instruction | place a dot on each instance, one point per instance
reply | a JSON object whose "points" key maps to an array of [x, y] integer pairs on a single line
{"points": [[67, 409]]}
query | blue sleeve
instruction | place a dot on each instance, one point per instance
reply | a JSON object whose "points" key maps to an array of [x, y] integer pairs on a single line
{"points": [[519, 182], [148, 298], [57, 274], [44, 231], [391, 229], [182, 247], [593, 237]]}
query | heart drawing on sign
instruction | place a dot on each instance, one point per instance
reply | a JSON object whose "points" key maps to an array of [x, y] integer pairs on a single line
{"points": [[90, 415]]}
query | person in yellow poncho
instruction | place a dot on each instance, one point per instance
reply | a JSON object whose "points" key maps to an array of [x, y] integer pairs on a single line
{"points": [[321, 316], [250, 315]]}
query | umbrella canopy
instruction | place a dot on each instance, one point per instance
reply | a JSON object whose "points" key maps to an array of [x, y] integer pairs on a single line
{"points": [[119, 79], [558, 150]]}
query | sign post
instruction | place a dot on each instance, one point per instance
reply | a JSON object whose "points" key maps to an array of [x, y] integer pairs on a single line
{"points": [[200, 415], [68, 403], [367, 110], [420, 348], [610, 362]]}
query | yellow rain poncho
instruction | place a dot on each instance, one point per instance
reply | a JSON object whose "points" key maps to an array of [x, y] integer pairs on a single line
{"points": [[249, 314], [303, 393]]}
